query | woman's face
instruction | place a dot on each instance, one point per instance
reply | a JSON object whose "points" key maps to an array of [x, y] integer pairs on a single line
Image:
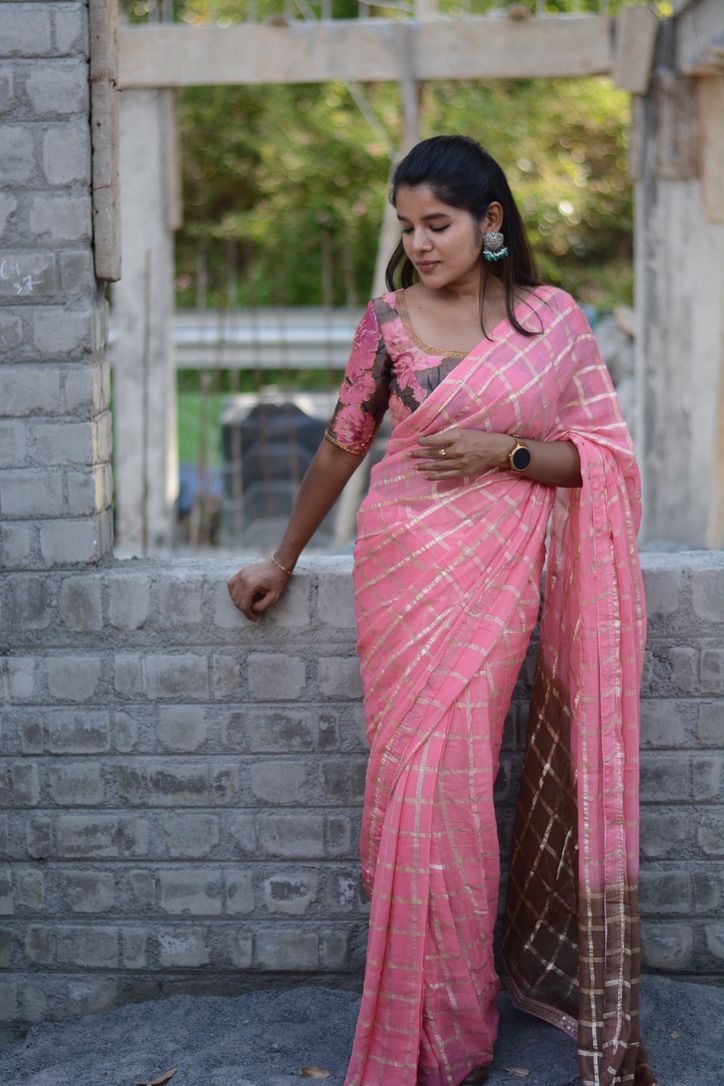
{"points": [[443, 242]]}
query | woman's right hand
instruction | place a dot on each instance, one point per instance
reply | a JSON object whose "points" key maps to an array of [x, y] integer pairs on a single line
{"points": [[256, 588]]}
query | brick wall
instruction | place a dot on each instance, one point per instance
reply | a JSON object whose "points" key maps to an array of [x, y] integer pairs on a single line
{"points": [[182, 789]]}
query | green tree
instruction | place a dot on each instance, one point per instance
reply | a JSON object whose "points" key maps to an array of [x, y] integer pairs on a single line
{"points": [[295, 177]]}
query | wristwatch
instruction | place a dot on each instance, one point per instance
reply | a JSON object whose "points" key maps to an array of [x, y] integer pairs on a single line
{"points": [[519, 456]]}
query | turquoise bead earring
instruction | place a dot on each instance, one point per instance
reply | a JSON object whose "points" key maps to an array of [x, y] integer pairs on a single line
{"points": [[493, 247]]}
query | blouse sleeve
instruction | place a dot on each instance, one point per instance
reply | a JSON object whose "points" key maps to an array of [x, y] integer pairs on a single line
{"points": [[365, 389]]}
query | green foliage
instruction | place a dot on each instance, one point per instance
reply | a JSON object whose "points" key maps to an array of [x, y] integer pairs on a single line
{"points": [[298, 177], [284, 186], [294, 173], [562, 144], [228, 12]]}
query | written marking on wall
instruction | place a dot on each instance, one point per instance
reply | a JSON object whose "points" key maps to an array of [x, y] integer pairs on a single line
{"points": [[23, 273]]}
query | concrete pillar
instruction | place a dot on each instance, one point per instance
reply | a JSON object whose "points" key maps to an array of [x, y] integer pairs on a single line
{"points": [[679, 270], [55, 448], [144, 385]]}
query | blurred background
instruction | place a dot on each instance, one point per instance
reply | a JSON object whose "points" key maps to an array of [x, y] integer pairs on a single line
{"points": [[278, 238]]}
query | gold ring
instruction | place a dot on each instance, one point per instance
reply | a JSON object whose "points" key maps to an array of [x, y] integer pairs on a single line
{"points": [[442, 452]]}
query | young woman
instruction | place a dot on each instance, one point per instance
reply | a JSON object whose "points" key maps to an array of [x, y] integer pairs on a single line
{"points": [[504, 420]]}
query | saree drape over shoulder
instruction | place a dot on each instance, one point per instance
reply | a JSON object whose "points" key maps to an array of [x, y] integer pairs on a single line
{"points": [[447, 588]]}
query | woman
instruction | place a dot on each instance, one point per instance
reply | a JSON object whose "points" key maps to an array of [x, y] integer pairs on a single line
{"points": [[504, 418]]}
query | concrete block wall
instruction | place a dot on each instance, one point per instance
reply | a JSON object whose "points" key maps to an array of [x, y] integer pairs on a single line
{"points": [[181, 790], [55, 427]]}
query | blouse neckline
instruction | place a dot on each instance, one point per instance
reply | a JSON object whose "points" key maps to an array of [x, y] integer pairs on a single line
{"points": [[428, 348], [438, 352]]}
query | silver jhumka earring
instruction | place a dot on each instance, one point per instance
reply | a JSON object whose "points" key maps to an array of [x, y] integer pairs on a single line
{"points": [[493, 247]]}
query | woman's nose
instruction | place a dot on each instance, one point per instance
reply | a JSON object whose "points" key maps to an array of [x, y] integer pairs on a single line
{"points": [[421, 241]]}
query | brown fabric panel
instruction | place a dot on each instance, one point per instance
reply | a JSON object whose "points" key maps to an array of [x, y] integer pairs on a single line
{"points": [[572, 956], [540, 942]]}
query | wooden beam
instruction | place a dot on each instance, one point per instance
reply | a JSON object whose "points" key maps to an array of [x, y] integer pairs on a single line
{"points": [[700, 38], [711, 146], [365, 50], [173, 159], [636, 30], [674, 126]]}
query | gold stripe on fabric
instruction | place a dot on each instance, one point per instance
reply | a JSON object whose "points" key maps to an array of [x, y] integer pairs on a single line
{"points": [[347, 448]]}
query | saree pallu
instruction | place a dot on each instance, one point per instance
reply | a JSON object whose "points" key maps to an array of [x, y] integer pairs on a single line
{"points": [[447, 580]]}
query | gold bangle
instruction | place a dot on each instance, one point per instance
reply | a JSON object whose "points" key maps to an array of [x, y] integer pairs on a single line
{"points": [[284, 569]]}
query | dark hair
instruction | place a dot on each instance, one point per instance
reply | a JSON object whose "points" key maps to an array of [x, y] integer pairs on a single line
{"points": [[463, 174]]}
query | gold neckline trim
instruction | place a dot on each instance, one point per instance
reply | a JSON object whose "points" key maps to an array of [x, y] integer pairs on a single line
{"points": [[437, 352]]}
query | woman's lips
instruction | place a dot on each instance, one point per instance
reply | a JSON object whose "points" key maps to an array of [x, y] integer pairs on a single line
{"points": [[427, 265]]}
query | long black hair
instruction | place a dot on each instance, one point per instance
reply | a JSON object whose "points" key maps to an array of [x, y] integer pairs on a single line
{"points": [[463, 174]]}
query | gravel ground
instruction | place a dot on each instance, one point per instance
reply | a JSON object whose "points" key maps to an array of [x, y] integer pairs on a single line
{"points": [[264, 1038]]}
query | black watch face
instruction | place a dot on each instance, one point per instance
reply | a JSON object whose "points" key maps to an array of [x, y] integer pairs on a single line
{"points": [[521, 459]]}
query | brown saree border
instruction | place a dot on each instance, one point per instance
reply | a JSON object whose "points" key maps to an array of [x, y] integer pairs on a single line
{"points": [[560, 940]]}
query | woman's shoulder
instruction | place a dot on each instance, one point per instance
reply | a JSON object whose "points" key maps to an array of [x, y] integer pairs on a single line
{"points": [[389, 301], [386, 310], [556, 297], [566, 310]]}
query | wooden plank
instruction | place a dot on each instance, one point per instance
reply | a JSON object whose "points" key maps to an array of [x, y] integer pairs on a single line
{"points": [[104, 139], [638, 135], [501, 48], [635, 40], [674, 126], [173, 163], [700, 37], [366, 50], [711, 145]]}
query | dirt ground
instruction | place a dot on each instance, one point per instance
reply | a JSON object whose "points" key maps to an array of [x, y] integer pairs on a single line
{"points": [[265, 1037]]}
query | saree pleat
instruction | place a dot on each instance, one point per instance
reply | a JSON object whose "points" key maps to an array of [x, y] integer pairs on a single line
{"points": [[447, 590]]}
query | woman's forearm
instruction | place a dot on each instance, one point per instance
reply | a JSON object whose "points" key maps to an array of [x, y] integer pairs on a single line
{"points": [[461, 452], [323, 482], [555, 463]]}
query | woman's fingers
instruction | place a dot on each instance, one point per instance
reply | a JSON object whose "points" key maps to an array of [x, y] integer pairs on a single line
{"points": [[455, 454], [263, 602], [242, 595], [254, 589], [246, 594], [450, 463], [439, 453], [436, 445], [443, 455]]}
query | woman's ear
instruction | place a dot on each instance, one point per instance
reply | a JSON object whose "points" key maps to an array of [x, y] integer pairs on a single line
{"points": [[493, 217]]}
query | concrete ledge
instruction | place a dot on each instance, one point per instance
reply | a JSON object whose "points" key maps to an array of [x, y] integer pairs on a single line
{"points": [[181, 790]]}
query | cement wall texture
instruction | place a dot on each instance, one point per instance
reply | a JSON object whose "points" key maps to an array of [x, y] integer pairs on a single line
{"points": [[180, 790]]}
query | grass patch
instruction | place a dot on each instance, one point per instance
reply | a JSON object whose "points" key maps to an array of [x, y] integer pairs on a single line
{"points": [[190, 421]]}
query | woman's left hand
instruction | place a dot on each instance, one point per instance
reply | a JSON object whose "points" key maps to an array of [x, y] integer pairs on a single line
{"points": [[457, 453]]}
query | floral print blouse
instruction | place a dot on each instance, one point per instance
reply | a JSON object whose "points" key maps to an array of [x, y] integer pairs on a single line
{"points": [[389, 366]]}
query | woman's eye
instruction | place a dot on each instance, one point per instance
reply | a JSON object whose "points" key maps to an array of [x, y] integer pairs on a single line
{"points": [[435, 229]]}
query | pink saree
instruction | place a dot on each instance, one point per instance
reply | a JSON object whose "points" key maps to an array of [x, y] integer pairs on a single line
{"points": [[447, 580]]}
